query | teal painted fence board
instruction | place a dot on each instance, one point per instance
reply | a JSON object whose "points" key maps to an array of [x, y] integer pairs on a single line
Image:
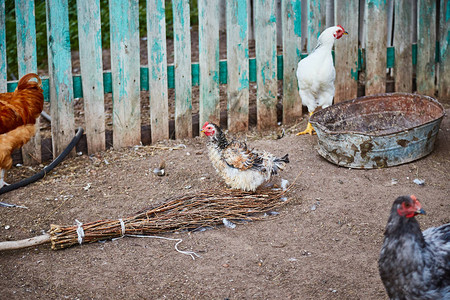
{"points": [[315, 21], [375, 52], [403, 67], [426, 43], [291, 15], [125, 69], [89, 36], [208, 32], [3, 71], [444, 49], [237, 65], [60, 75], [346, 52], [27, 60], [266, 64], [157, 63], [182, 69]]}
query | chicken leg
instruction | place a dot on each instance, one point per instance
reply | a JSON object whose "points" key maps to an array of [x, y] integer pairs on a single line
{"points": [[2, 176], [309, 129]]}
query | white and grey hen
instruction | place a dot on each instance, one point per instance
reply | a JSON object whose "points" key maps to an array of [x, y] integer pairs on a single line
{"points": [[240, 167]]}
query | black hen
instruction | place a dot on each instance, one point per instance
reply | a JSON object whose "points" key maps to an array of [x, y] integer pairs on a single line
{"points": [[412, 264]]}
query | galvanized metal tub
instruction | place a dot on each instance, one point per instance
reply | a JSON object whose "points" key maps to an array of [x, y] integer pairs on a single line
{"points": [[378, 131]]}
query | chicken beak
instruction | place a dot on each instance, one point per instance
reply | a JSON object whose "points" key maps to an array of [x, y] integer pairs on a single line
{"points": [[420, 211], [345, 32]]}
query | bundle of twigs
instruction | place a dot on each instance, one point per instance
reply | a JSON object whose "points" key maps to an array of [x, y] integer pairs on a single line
{"points": [[190, 212]]}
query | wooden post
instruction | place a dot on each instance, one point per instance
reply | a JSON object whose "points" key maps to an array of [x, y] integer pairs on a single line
{"points": [[426, 47], [403, 46], [444, 59], [346, 51], [125, 67], [157, 62], [89, 35], [375, 23], [238, 66], [60, 75], [3, 70], [291, 14], [266, 64], [208, 20], [27, 60], [315, 21], [182, 62]]}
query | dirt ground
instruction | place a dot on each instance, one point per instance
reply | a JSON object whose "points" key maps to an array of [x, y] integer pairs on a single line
{"points": [[323, 244]]}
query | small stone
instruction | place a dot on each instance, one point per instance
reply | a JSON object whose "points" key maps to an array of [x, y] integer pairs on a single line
{"points": [[419, 181]]}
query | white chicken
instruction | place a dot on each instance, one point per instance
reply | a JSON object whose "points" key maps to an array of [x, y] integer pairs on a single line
{"points": [[316, 74]]}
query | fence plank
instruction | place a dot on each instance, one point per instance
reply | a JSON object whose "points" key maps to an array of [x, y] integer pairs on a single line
{"points": [[444, 59], [426, 51], [208, 20], [237, 65], [182, 61], [27, 61], [346, 51], [125, 67], [291, 20], [315, 20], [403, 46], [426, 47], [3, 65], [157, 82], [266, 64], [60, 75], [89, 36], [376, 26]]}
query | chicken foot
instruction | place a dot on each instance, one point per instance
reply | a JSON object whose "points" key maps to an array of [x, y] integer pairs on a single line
{"points": [[309, 129]]}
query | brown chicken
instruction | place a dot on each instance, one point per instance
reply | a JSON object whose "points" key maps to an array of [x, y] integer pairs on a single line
{"points": [[18, 113]]}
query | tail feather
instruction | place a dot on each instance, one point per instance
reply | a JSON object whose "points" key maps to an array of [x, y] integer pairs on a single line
{"points": [[25, 82], [279, 164]]}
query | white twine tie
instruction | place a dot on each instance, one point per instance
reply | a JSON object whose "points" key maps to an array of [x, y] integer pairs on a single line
{"points": [[122, 226], [80, 231]]}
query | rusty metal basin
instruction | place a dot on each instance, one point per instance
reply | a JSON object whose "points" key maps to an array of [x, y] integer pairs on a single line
{"points": [[378, 131]]}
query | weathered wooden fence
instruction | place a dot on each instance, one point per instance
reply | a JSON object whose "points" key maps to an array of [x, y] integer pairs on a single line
{"points": [[426, 61]]}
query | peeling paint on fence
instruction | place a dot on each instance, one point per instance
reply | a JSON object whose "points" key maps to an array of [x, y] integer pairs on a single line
{"points": [[426, 43], [91, 64], [266, 65], [291, 29], [125, 67], [403, 69], [182, 69], [156, 43], [375, 54], [60, 74], [208, 20], [237, 65], [346, 52], [27, 62]]}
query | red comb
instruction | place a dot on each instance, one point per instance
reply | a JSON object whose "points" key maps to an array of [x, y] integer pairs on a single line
{"points": [[341, 27], [206, 124]]}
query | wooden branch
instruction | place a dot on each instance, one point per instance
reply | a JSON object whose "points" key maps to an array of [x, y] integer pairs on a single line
{"points": [[30, 242]]}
